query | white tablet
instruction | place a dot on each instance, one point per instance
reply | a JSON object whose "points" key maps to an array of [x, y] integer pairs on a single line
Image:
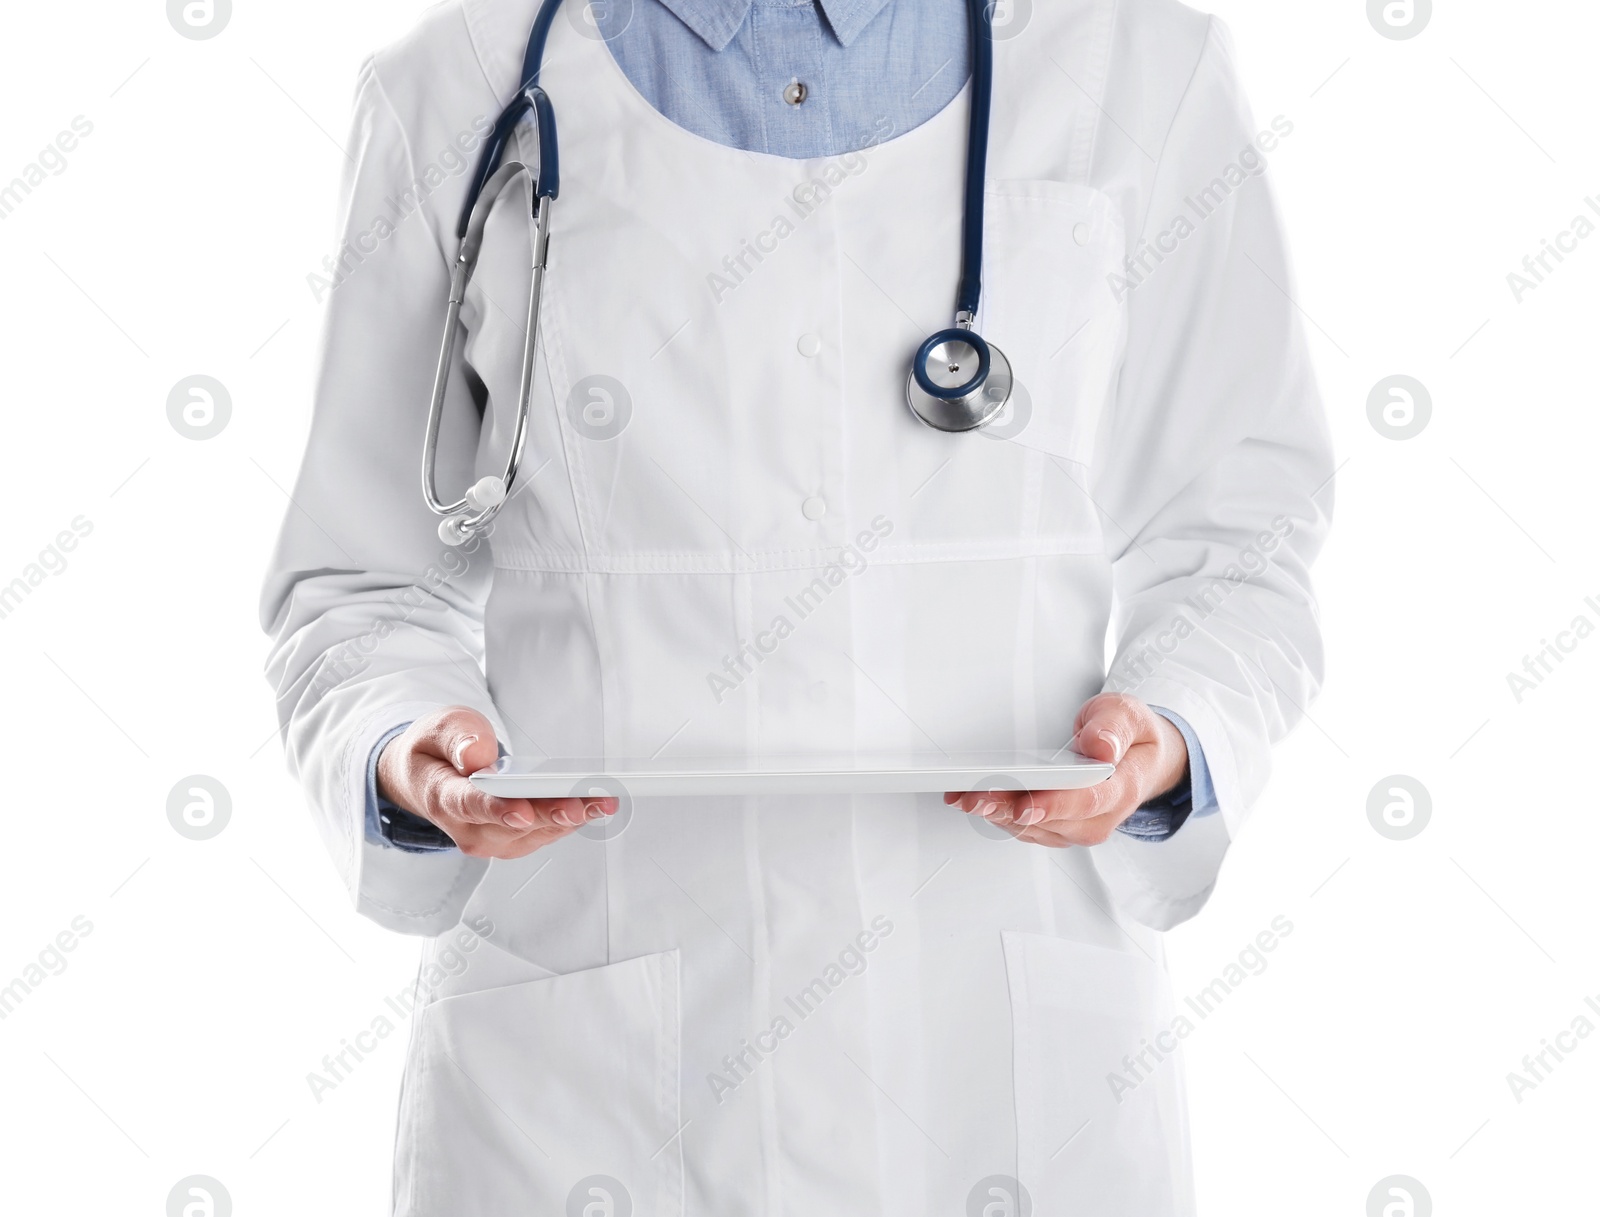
{"points": [[859, 773]]}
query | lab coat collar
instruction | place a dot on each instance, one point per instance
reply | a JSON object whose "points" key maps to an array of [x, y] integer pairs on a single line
{"points": [[717, 21]]}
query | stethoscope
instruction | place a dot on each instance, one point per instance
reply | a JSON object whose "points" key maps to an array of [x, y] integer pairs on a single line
{"points": [[958, 382]]}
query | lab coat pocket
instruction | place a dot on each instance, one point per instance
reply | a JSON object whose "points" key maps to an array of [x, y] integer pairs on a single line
{"points": [[1101, 1126], [520, 1098], [1050, 249]]}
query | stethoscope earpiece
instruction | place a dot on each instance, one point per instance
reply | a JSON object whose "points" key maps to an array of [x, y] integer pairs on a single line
{"points": [[482, 500], [453, 531], [958, 381], [486, 493]]}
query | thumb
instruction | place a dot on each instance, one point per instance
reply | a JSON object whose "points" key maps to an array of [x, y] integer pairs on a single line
{"points": [[464, 738], [1107, 728]]}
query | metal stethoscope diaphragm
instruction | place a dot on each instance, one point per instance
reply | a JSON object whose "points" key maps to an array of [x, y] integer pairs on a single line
{"points": [[958, 381]]}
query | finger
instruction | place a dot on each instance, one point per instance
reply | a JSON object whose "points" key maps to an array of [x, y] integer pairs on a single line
{"points": [[497, 841], [1059, 818], [566, 813], [1026, 807], [1029, 808], [997, 805], [447, 795], [460, 736], [449, 799], [1109, 726], [1120, 795], [537, 815], [1047, 806], [1064, 833]]}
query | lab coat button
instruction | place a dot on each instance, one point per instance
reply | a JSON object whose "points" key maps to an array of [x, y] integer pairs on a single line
{"points": [[795, 92], [1080, 233], [810, 345], [814, 508]]}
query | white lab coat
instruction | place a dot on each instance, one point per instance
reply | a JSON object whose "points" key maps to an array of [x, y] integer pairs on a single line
{"points": [[863, 1005]]}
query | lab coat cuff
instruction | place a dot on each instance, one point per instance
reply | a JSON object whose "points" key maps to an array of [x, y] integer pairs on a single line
{"points": [[404, 890], [1161, 884]]}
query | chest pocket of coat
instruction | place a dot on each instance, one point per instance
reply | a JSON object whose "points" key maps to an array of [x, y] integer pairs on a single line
{"points": [[1050, 249]]}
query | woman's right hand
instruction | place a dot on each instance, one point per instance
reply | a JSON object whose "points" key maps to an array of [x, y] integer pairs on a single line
{"points": [[424, 770]]}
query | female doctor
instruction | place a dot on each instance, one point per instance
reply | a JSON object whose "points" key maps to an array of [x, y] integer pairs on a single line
{"points": [[731, 535]]}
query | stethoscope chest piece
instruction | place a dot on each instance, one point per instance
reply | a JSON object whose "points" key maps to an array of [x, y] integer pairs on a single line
{"points": [[958, 382]]}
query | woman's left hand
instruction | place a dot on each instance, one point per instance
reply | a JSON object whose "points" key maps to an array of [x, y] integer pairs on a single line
{"points": [[1151, 759]]}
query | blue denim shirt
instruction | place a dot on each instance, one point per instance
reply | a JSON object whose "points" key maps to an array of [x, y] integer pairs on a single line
{"points": [[798, 79]]}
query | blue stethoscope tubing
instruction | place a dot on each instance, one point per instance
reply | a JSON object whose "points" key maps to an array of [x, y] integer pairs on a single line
{"points": [[958, 382], [471, 515]]}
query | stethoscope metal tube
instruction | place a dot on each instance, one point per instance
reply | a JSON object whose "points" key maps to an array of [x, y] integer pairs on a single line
{"points": [[472, 513]]}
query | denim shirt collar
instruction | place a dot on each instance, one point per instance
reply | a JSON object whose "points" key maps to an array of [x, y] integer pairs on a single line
{"points": [[717, 21]]}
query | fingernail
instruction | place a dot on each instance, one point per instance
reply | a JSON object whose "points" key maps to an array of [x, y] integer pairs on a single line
{"points": [[568, 819], [990, 810], [459, 752], [517, 820], [1116, 744], [594, 812], [1030, 816]]}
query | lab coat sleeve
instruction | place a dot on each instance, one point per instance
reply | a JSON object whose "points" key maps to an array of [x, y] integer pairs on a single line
{"points": [[374, 621], [1213, 476]]}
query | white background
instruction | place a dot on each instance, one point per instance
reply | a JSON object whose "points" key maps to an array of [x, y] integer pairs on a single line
{"points": [[218, 974]]}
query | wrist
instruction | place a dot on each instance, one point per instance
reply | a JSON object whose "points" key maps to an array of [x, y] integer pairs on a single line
{"points": [[1171, 770], [386, 774]]}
